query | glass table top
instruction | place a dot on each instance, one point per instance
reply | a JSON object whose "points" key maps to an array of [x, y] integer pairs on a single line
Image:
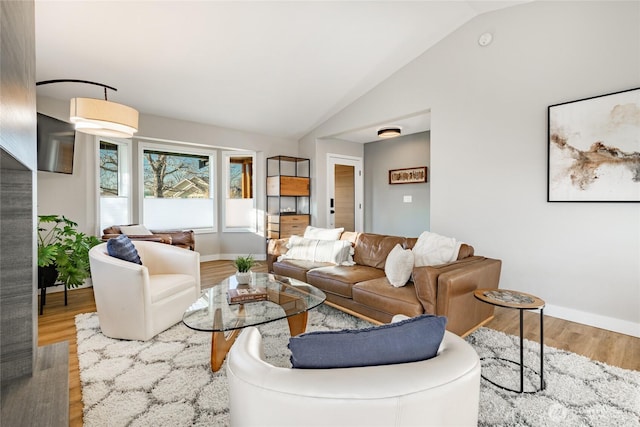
{"points": [[285, 297]]}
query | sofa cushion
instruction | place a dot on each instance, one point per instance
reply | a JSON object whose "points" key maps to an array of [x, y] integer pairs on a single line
{"points": [[135, 230], [333, 251], [297, 268], [322, 233], [410, 340], [339, 279], [122, 247], [371, 250], [381, 296], [398, 266], [164, 285]]}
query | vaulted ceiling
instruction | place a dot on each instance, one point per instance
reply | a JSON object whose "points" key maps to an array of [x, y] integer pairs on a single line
{"points": [[273, 68]]}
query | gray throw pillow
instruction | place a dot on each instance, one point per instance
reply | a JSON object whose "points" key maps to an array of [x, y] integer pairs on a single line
{"points": [[122, 247], [411, 340]]}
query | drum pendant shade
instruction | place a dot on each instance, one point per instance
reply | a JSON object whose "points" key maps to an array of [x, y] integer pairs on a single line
{"points": [[104, 118]]}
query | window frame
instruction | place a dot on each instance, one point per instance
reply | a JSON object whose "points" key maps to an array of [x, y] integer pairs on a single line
{"points": [[125, 181], [174, 149], [226, 156]]}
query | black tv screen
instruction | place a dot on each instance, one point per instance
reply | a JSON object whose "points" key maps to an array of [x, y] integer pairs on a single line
{"points": [[56, 142]]}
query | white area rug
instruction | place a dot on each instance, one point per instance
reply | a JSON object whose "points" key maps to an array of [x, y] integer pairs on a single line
{"points": [[168, 382]]}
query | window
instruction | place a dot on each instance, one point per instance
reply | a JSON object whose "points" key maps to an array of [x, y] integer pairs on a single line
{"points": [[109, 176], [239, 209], [115, 183], [177, 187]]}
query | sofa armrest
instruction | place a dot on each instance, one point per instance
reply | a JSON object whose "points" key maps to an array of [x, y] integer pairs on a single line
{"points": [[275, 248], [455, 298], [182, 238], [120, 289], [425, 280]]}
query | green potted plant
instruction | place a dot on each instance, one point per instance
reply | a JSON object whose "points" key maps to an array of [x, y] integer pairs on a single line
{"points": [[61, 247], [243, 266]]}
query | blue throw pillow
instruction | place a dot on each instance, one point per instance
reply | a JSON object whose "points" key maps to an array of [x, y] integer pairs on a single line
{"points": [[410, 340], [122, 247]]}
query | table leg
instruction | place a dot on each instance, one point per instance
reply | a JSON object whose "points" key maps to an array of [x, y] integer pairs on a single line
{"points": [[297, 323], [541, 350], [221, 343], [521, 352]]}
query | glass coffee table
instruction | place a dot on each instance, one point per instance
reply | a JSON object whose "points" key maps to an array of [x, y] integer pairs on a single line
{"points": [[284, 298]]}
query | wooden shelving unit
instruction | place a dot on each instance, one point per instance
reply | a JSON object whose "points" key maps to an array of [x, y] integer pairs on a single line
{"points": [[288, 196]]}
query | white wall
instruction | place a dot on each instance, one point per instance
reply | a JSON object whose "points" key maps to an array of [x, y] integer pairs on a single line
{"points": [[489, 149], [75, 195], [71, 195], [384, 207]]}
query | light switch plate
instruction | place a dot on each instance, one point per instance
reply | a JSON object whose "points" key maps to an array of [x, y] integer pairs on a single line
{"points": [[407, 199]]}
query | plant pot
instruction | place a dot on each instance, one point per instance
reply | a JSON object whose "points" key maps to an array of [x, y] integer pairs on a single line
{"points": [[47, 276], [243, 278]]}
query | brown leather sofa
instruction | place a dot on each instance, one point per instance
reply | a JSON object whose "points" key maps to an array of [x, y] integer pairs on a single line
{"points": [[363, 289], [181, 238]]}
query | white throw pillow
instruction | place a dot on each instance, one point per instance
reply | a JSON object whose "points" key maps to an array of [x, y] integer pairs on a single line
{"points": [[135, 230], [322, 233], [334, 251], [434, 249], [398, 266]]}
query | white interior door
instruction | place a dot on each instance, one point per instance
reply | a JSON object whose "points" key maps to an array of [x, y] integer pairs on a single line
{"points": [[345, 187]]}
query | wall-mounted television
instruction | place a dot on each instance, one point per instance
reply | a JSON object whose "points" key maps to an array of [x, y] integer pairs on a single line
{"points": [[56, 143]]}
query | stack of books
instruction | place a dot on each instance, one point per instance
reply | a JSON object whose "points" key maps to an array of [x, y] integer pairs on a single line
{"points": [[242, 295]]}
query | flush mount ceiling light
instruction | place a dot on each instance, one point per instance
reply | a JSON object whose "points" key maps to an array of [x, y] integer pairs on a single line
{"points": [[98, 117], [389, 132]]}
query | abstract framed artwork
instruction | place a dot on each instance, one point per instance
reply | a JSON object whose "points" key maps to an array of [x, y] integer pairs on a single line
{"points": [[594, 149], [408, 175]]}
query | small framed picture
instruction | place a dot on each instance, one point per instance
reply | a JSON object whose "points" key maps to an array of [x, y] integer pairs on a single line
{"points": [[408, 175]]}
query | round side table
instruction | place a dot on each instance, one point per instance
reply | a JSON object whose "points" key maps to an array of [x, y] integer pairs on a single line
{"points": [[520, 301]]}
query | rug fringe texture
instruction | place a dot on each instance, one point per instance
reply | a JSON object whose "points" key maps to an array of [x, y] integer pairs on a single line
{"points": [[167, 381]]}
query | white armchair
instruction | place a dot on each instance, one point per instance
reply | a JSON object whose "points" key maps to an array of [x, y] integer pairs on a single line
{"points": [[442, 391], [137, 302]]}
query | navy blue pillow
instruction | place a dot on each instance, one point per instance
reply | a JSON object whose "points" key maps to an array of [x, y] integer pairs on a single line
{"points": [[410, 340], [122, 247]]}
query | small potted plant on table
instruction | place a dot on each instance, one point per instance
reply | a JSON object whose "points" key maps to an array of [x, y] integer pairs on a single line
{"points": [[243, 266]]}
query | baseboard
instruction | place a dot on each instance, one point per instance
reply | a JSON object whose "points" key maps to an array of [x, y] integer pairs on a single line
{"points": [[595, 320], [207, 258], [229, 257]]}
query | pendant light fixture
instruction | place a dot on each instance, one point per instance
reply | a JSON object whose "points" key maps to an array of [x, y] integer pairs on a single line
{"points": [[98, 117], [389, 132]]}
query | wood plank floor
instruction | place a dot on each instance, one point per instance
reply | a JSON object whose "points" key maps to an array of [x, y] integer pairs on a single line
{"points": [[58, 324]]}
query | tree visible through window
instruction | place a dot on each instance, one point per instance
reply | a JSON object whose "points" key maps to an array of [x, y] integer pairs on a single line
{"points": [[108, 169], [175, 175], [114, 159]]}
